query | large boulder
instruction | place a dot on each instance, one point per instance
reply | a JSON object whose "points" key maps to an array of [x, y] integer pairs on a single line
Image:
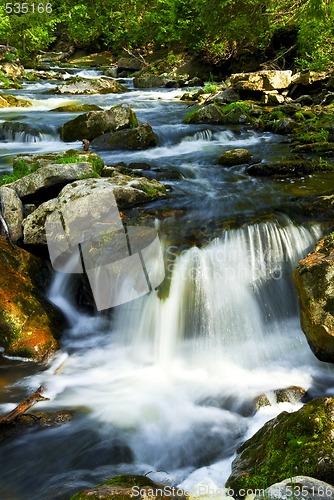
{"points": [[50, 176], [304, 487], [91, 125], [20, 131], [233, 114], [308, 82], [128, 191], [79, 85], [314, 280], [149, 80], [261, 80], [76, 108], [298, 443], [29, 324], [141, 137], [12, 211]]}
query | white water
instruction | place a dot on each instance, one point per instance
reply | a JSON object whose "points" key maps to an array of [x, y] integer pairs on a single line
{"points": [[175, 378]]}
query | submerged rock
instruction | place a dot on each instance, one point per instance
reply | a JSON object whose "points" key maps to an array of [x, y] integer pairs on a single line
{"points": [[298, 443], [290, 168], [29, 324], [314, 280], [91, 125], [235, 157], [141, 137], [79, 85]]}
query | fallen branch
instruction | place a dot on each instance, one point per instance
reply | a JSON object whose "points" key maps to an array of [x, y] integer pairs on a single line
{"points": [[24, 406]]}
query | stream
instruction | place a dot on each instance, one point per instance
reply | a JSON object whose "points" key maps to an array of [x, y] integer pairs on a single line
{"points": [[167, 385]]}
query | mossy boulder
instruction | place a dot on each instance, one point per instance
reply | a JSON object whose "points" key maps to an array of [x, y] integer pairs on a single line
{"points": [[7, 101], [76, 108], [290, 168], [127, 487], [141, 137], [314, 280], [95, 123], [29, 324], [299, 443], [234, 157], [79, 85], [149, 80], [232, 114]]}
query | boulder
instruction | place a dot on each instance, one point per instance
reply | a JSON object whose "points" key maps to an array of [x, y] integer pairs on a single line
{"points": [[272, 98], [314, 280], [129, 487], [308, 82], [12, 211], [227, 96], [141, 137], [306, 488], [29, 324], [79, 85], [91, 125], [214, 114], [31, 162], [8, 101], [128, 191], [12, 70], [275, 451], [261, 80], [50, 176], [235, 157], [148, 80]]}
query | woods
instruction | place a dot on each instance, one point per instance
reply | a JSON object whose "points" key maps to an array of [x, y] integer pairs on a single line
{"points": [[286, 34]]}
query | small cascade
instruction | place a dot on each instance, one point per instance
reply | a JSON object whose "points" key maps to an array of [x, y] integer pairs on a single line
{"points": [[12, 131], [201, 135]]}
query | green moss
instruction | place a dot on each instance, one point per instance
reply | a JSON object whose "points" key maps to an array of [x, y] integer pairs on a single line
{"points": [[190, 115], [307, 137], [20, 170], [129, 481]]}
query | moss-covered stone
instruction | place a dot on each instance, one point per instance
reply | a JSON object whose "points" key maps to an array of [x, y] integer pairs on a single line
{"points": [[29, 324], [141, 137], [232, 114], [7, 101], [234, 157], [299, 443], [76, 108]]}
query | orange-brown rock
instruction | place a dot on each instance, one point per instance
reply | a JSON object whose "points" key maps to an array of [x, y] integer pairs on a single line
{"points": [[29, 324], [314, 280]]}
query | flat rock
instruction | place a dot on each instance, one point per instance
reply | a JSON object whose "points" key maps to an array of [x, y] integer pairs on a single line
{"points": [[261, 80], [8, 101]]}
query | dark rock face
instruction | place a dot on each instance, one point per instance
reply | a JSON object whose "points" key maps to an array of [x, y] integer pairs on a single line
{"points": [[314, 280], [29, 324], [91, 125], [274, 452], [141, 137]]}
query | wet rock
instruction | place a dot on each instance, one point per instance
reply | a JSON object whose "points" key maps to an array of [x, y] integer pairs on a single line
{"points": [[91, 125], [233, 114], [290, 168], [128, 487], [291, 394], [328, 99], [149, 80], [50, 176], [305, 100], [128, 191], [303, 487], [141, 137], [29, 324], [323, 148], [261, 80], [274, 452], [7, 101], [76, 108], [12, 211], [112, 72], [9, 129], [30, 162], [130, 64], [79, 85], [235, 157], [314, 280]]}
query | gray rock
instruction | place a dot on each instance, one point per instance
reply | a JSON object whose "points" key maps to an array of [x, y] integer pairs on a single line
{"points": [[128, 191], [12, 211], [303, 487], [79, 85], [148, 80], [141, 137], [49, 176], [227, 96], [91, 125]]}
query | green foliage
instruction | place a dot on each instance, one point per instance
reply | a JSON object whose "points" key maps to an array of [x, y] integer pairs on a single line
{"points": [[21, 169], [210, 88]]}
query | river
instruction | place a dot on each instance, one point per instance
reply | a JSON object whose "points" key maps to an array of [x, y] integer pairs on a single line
{"points": [[167, 385]]}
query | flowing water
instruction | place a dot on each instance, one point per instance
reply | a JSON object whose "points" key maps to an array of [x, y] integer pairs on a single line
{"points": [[167, 383]]}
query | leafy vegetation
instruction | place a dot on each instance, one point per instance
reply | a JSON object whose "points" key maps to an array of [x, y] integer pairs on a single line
{"points": [[284, 33]]}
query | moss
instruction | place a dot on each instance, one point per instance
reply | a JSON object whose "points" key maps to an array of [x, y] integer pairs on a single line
{"points": [[129, 481], [295, 167], [77, 108], [274, 452]]}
